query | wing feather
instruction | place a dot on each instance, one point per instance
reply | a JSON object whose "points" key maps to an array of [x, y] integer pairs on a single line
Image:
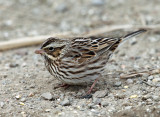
{"points": [[84, 49]]}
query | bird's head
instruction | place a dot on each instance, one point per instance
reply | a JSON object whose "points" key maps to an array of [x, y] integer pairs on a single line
{"points": [[52, 48]]}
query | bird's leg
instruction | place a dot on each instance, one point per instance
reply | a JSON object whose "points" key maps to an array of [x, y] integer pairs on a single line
{"points": [[90, 90]]}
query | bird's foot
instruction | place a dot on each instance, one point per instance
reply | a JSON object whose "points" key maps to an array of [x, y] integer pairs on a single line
{"points": [[88, 94]]}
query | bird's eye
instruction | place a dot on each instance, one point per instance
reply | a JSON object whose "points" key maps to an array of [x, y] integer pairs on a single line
{"points": [[50, 48]]}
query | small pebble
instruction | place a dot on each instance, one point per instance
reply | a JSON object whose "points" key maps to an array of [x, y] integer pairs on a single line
{"points": [[88, 96], [137, 57], [61, 8], [100, 94], [149, 100], [24, 64], [4, 75], [21, 103], [126, 87], [122, 54], [120, 96], [152, 51], [150, 77], [47, 110], [65, 102], [47, 96], [145, 97], [92, 106], [129, 81], [8, 22], [18, 97], [117, 84], [1, 104], [153, 39], [158, 106], [128, 107], [23, 114], [155, 80], [158, 84], [148, 19], [23, 99], [31, 94], [97, 2], [145, 75], [12, 65], [104, 103], [103, 112], [133, 96], [111, 109], [96, 100], [95, 111], [155, 98]]}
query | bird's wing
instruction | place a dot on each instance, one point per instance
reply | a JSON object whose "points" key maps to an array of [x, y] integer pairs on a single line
{"points": [[84, 49]]}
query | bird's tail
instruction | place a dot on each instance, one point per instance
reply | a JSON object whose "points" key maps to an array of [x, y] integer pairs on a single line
{"points": [[120, 41], [132, 34]]}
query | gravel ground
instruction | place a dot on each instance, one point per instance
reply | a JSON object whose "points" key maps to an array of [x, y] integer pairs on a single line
{"points": [[26, 87]]}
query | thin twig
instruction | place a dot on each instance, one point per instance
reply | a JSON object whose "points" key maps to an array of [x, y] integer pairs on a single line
{"points": [[30, 41], [148, 84], [124, 27], [138, 74]]}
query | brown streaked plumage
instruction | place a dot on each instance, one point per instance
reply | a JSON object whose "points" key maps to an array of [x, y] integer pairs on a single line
{"points": [[79, 60]]}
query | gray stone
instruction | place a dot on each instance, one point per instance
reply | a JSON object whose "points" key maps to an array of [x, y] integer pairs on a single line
{"points": [[96, 100], [93, 106], [23, 99], [95, 111], [153, 39], [150, 77], [128, 107], [100, 94], [65, 102], [156, 80], [117, 84], [145, 97], [97, 2], [47, 96], [155, 98], [145, 75], [158, 84], [129, 81], [104, 103], [158, 106], [61, 8], [1, 104], [149, 100], [152, 51]]}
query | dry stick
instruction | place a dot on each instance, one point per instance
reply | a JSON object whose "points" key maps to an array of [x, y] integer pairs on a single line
{"points": [[152, 85], [105, 29], [133, 75], [29, 41]]}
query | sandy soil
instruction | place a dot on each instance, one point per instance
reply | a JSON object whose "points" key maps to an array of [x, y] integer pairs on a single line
{"points": [[26, 87]]}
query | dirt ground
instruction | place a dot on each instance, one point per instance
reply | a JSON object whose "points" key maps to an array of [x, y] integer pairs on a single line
{"points": [[27, 88]]}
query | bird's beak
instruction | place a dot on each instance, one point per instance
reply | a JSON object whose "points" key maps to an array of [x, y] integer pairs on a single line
{"points": [[40, 51]]}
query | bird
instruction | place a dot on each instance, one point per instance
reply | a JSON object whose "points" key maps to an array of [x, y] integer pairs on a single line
{"points": [[80, 60]]}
